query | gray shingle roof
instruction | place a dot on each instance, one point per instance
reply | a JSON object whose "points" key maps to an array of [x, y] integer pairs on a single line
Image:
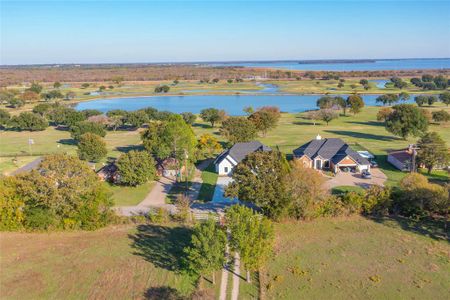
{"points": [[333, 149], [240, 150]]}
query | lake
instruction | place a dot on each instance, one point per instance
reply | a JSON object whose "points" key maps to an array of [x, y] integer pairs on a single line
{"points": [[233, 104], [375, 65]]}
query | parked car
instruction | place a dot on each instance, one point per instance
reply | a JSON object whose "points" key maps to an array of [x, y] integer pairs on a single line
{"points": [[366, 174], [373, 164]]}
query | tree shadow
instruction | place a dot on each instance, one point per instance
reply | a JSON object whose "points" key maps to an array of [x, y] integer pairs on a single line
{"points": [[306, 123], [361, 135], [69, 142], [128, 148], [433, 228], [370, 123], [161, 245], [163, 292], [202, 125]]}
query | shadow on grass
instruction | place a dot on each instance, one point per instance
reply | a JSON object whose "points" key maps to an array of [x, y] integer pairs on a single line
{"points": [[433, 228], [201, 125], [128, 148], [307, 123], [161, 245], [163, 292], [70, 142], [361, 135], [369, 123]]}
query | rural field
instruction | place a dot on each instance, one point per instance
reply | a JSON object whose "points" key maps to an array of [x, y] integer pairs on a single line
{"points": [[358, 258], [340, 258]]}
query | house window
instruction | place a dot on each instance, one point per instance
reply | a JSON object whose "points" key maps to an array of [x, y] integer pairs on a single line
{"points": [[326, 164], [225, 169], [318, 164]]}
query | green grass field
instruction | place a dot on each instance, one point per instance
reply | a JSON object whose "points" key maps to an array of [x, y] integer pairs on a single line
{"points": [[118, 262], [357, 258], [209, 177], [128, 195], [362, 131]]}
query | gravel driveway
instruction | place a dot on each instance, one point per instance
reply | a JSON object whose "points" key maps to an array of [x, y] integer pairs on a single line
{"points": [[355, 179]]}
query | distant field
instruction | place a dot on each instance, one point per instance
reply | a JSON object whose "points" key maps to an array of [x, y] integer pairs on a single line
{"points": [[357, 258], [118, 262]]}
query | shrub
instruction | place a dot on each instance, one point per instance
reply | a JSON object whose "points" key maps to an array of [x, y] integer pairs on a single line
{"points": [[159, 216], [11, 205], [40, 219], [353, 202], [377, 200]]}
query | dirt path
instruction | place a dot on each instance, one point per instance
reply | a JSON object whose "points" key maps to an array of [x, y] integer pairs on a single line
{"points": [[236, 277]]}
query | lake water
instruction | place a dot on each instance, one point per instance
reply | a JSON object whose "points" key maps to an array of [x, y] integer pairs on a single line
{"points": [[233, 104], [377, 65], [380, 83]]}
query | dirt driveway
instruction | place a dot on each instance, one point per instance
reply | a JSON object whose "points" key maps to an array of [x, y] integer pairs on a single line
{"points": [[355, 179]]}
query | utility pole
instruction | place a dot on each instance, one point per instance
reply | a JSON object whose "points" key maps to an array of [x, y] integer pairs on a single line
{"points": [[186, 156], [414, 149]]}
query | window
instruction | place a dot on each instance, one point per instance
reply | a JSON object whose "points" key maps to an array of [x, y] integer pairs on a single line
{"points": [[225, 169], [326, 164]]}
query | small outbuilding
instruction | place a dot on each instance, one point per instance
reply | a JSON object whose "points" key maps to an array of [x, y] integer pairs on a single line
{"points": [[227, 160]]}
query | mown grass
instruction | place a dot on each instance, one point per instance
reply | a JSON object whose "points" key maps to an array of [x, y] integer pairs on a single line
{"points": [[128, 195], [209, 177], [357, 258], [118, 262]]}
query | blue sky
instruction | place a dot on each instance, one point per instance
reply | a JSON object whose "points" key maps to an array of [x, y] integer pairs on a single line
{"points": [[165, 31]]}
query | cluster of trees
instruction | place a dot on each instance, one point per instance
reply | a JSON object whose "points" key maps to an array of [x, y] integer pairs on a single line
{"points": [[398, 82], [162, 89], [431, 99], [245, 129], [63, 193], [283, 189], [15, 99], [329, 107], [251, 235], [390, 99], [430, 82]]}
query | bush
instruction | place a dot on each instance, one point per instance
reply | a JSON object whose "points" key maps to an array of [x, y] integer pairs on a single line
{"points": [[159, 216], [11, 205], [353, 202], [40, 219], [377, 200]]}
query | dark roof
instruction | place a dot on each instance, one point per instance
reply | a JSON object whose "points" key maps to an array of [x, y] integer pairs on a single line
{"points": [[333, 149], [240, 150], [401, 155]]}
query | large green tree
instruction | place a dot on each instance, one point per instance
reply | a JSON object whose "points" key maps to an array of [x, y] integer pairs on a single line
{"points": [[91, 147], [252, 236], [433, 151], [265, 118], [406, 120], [445, 98], [356, 103], [259, 179], [172, 138], [28, 121], [4, 117], [80, 128], [238, 129], [136, 167], [206, 252], [211, 115]]}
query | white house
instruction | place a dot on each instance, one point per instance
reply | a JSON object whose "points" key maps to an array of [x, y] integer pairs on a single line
{"points": [[228, 159]]}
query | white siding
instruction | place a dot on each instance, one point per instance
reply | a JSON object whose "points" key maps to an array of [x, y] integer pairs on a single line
{"points": [[225, 167]]}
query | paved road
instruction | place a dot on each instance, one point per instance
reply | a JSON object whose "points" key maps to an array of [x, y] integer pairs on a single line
{"points": [[236, 277]]}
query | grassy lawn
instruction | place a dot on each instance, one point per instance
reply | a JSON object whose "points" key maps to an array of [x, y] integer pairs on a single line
{"points": [[127, 195], [209, 177], [346, 188], [118, 262], [7, 164], [356, 258], [362, 131]]}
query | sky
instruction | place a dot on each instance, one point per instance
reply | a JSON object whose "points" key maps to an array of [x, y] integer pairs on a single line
{"points": [[35, 32]]}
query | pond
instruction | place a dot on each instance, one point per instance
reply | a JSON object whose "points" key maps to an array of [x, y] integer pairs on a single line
{"points": [[380, 83], [232, 104]]}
